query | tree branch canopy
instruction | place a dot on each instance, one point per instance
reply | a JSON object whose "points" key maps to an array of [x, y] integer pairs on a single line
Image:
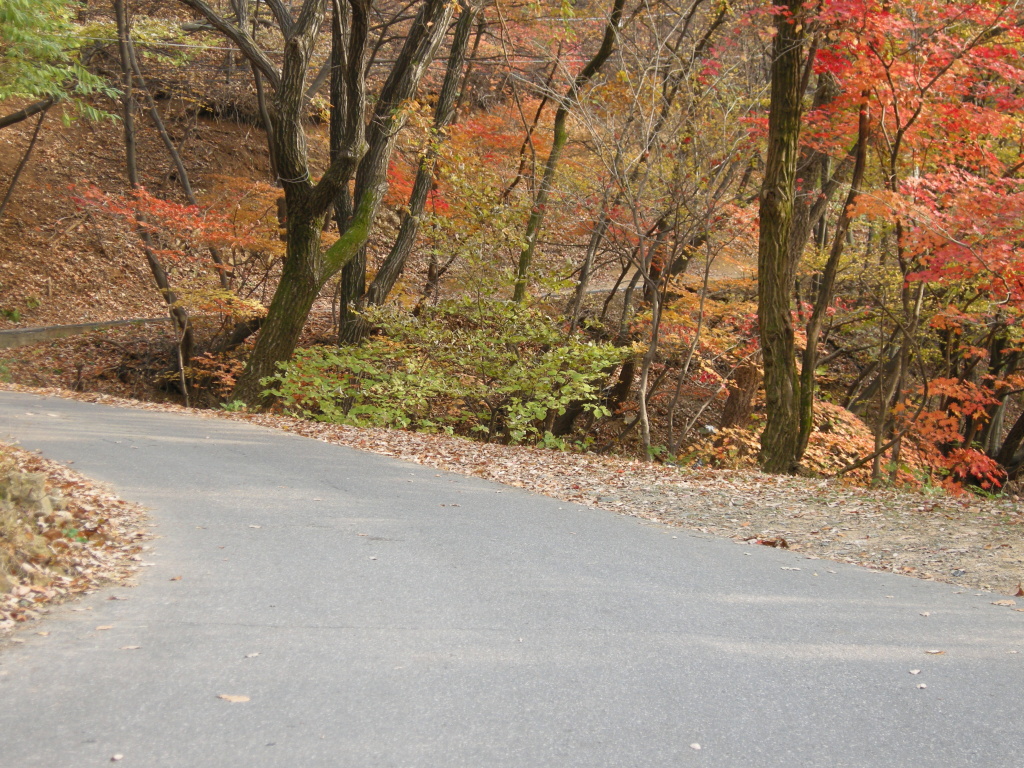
{"points": [[241, 38]]}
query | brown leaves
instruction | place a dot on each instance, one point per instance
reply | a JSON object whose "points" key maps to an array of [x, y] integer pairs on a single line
{"points": [[87, 542]]}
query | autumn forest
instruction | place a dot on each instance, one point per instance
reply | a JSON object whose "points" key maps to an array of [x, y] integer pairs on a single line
{"points": [[691, 231]]}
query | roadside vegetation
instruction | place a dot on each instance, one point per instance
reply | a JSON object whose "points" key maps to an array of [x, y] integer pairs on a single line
{"points": [[537, 224]]}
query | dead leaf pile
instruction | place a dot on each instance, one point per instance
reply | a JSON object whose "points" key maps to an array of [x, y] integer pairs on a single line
{"points": [[91, 542]]}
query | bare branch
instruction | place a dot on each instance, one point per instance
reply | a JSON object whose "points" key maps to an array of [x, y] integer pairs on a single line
{"points": [[281, 16], [241, 38]]}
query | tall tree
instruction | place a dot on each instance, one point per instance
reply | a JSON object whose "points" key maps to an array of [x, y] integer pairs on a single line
{"points": [[776, 265], [362, 154], [560, 137], [351, 326]]}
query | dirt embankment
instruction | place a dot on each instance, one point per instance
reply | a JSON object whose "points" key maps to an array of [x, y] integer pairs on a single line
{"points": [[62, 263]]}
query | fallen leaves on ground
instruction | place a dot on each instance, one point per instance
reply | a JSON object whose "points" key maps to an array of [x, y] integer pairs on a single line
{"points": [[106, 533]]}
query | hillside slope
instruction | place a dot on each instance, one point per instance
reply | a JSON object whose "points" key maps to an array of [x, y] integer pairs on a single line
{"points": [[61, 263]]}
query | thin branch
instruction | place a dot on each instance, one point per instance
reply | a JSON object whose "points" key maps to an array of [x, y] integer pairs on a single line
{"points": [[24, 159], [241, 38], [27, 112]]}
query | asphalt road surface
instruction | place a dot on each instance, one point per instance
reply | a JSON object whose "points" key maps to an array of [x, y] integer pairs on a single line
{"points": [[407, 617]]}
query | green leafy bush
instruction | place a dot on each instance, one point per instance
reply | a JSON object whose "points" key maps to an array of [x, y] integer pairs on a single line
{"points": [[495, 369], [40, 56]]}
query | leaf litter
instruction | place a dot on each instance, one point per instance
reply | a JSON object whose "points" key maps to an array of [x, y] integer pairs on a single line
{"points": [[92, 542]]}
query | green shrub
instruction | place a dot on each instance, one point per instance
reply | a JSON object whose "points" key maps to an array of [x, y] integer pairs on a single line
{"points": [[491, 368]]}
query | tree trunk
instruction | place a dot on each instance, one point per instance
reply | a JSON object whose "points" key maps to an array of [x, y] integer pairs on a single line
{"points": [[561, 136], [444, 114], [827, 283], [387, 120], [282, 327], [776, 267], [363, 153], [739, 405]]}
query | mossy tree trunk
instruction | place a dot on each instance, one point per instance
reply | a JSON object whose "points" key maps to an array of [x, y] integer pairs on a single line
{"points": [[300, 284], [775, 265], [354, 294], [308, 266]]}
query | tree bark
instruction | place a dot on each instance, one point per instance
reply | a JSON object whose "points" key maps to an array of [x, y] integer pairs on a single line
{"points": [[300, 285], [739, 405], [828, 279], [24, 114], [776, 267]]}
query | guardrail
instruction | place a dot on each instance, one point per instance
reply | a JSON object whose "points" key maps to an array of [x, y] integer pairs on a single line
{"points": [[20, 337]]}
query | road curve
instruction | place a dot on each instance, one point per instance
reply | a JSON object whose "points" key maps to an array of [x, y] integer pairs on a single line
{"points": [[406, 617]]}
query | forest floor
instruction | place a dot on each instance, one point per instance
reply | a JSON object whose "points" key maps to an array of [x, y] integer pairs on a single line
{"points": [[975, 543]]}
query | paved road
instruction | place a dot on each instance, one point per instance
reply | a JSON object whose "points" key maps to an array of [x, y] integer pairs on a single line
{"points": [[405, 617]]}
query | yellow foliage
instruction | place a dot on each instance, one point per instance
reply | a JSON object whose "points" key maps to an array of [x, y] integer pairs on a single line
{"points": [[220, 302]]}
